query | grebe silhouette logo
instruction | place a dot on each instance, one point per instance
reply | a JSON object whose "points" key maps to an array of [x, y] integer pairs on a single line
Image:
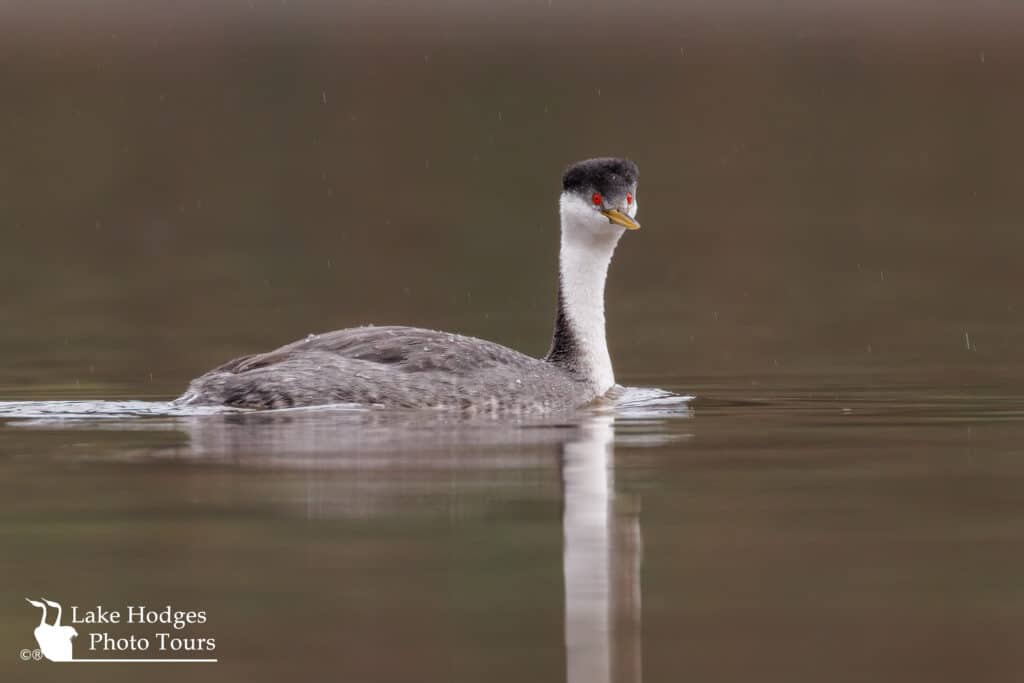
{"points": [[54, 640]]}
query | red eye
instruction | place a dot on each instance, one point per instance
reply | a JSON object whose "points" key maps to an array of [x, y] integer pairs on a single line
{"points": [[596, 199], [629, 199]]}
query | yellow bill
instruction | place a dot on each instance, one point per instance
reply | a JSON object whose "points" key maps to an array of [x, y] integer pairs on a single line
{"points": [[619, 218]]}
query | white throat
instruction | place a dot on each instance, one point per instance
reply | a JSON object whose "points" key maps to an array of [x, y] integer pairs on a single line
{"points": [[588, 242]]}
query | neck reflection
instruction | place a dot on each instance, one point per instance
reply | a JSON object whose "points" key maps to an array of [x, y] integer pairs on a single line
{"points": [[601, 563]]}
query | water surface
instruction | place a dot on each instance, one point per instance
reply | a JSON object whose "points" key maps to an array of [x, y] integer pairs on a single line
{"points": [[876, 529]]}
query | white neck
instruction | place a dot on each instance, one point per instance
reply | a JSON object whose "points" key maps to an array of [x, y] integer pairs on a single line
{"points": [[588, 242]]}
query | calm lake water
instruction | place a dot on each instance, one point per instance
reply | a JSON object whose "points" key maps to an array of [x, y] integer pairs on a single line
{"points": [[853, 533], [830, 262]]}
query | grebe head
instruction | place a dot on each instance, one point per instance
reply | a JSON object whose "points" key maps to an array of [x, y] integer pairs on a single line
{"points": [[599, 198]]}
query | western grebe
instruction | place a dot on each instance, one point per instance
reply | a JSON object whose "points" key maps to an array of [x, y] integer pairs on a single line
{"points": [[408, 367]]}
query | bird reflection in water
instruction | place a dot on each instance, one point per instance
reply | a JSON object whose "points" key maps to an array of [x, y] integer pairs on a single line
{"points": [[602, 542], [380, 457], [601, 554]]}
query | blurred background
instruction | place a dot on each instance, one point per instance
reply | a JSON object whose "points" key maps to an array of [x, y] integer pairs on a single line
{"points": [[831, 200], [827, 187]]}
